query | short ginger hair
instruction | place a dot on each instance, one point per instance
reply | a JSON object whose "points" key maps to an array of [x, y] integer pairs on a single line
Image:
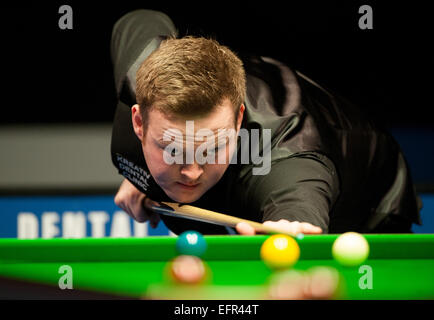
{"points": [[189, 77]]}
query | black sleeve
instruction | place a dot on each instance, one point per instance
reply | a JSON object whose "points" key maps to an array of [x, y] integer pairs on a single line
{"points": [[301, 188], [135, 35]]}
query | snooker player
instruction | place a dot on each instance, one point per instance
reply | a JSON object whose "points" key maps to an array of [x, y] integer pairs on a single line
{"points": [[331, 168]]}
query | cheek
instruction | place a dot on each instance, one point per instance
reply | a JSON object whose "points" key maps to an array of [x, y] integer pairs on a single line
{"points": [[154, 159], [215, 172]]}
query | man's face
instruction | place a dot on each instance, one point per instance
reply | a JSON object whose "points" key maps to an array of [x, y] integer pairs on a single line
{"points": [[186, 182]]}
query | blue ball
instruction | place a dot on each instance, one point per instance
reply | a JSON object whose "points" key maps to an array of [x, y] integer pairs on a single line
{"points": [[299, 236], [191, 243]]}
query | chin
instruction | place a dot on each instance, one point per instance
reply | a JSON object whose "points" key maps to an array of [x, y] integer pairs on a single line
{"points": [[184, 197]]}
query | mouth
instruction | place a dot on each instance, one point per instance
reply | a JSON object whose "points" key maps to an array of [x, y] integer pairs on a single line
{"points": [[187, 186]]}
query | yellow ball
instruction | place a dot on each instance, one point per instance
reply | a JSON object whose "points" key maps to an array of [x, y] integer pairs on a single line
{"points": [[280, 251]]}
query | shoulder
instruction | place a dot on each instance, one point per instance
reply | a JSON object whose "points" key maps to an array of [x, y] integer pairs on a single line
{"points": [[288, 173], [297, 165]]}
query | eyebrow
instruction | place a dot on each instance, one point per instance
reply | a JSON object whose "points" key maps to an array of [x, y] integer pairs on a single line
{"points": [[163, 143], [217, 139], [215, 131]]}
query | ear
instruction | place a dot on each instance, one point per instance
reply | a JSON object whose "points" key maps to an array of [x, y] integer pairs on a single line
{"points": [[136, 118], [240, 116]]}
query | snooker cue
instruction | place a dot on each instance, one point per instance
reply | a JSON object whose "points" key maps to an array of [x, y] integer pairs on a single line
{"points": [[203, 215]]}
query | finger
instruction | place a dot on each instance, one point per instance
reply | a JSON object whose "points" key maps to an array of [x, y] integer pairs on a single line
{"points": [[309, 228], [284, 226], [294, 227], [148, 203], [143, 215], [245, 229], [153, 217], [139, 216]]}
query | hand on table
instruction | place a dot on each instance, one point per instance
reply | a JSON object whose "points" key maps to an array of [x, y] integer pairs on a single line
{"points": [[134, 202], [286, 226]]}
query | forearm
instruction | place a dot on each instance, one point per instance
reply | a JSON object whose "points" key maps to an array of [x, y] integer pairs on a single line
{"points": [[298, 189], [131, 200]]}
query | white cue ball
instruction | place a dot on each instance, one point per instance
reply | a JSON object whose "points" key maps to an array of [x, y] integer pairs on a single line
{"points": [[350, 249]]}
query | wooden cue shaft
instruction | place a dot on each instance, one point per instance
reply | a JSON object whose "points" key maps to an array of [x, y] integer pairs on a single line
{"points": [[196, 213]]}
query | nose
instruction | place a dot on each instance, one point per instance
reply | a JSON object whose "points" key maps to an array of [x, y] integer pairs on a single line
{"points": [[191, 172]]}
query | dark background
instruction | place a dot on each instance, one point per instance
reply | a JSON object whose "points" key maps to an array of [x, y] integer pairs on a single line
{"points": [[51, 75]]}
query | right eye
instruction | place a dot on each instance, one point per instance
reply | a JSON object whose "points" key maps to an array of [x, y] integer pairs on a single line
{"points": [[175, 152]]}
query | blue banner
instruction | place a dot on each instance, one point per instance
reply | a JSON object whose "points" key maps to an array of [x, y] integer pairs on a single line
{"points": [[31, 217]]}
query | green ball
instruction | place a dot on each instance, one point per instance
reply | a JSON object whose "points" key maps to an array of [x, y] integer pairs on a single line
{"points": [[350, 249]]}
